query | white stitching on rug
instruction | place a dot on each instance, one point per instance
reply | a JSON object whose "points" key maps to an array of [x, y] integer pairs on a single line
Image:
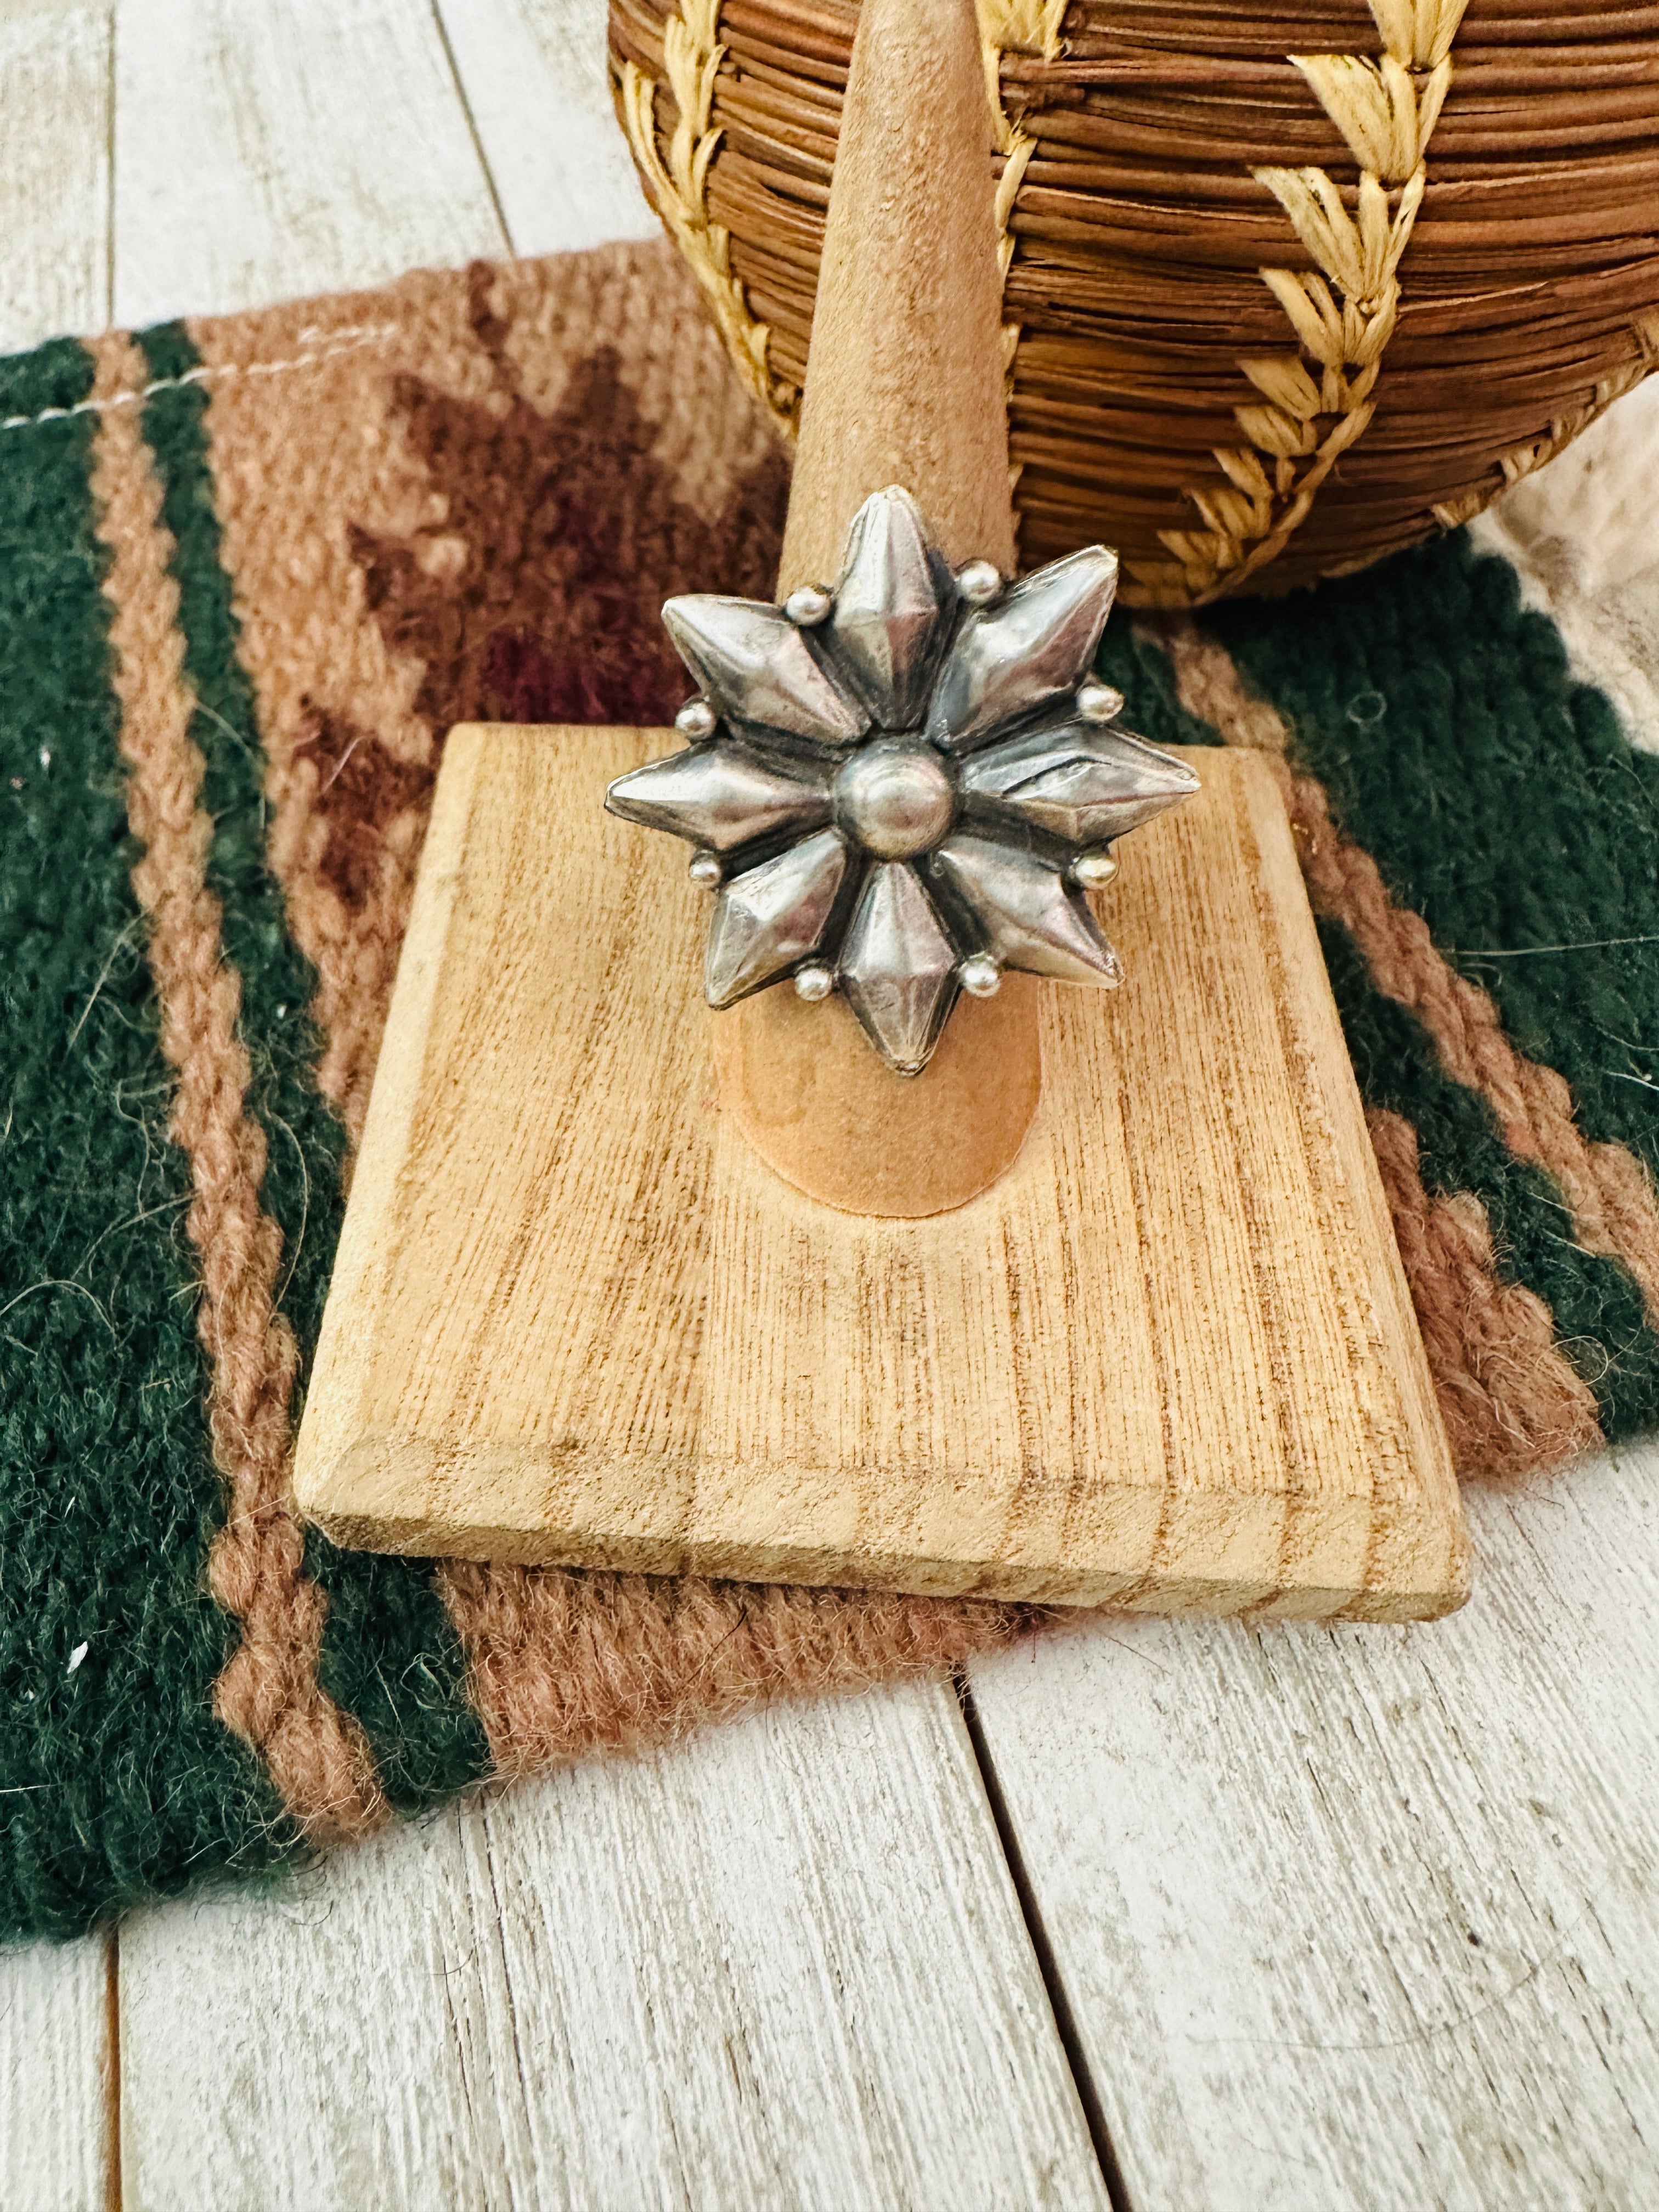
{"points": [[365, 334]]}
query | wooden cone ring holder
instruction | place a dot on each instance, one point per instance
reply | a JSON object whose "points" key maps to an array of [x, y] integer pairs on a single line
{"points": [[1101, 1307], [905, 388]]}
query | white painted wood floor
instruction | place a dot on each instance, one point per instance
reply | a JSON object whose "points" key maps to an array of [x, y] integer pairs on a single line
{"points": [[1185, 1917]]}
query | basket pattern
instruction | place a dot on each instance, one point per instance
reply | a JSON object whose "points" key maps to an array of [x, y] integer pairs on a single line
{"points": [[1286, 288]]}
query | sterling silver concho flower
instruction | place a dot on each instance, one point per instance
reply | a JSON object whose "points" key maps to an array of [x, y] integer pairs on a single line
{"points": [[901, 787]]}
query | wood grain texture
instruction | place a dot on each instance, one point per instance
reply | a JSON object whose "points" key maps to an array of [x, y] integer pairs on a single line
{"points": [[55, 111], [1169, 1360], [903, 387], [297, 146], [237, 2008], [904, 376], [812, 1099], [1359, 1918], [533, 76], [1204, 2120], [55, 2076], [54, 2045], [688, 1981]]}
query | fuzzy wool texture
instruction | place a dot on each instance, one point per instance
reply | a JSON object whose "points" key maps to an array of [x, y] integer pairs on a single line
{"points": [[116, 1780], [336, 527], [1504, 810]]}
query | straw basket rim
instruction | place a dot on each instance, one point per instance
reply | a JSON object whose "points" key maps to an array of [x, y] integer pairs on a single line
{"points": [[1286, 288]]}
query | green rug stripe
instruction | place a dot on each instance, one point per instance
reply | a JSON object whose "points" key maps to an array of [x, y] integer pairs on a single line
{"points": [[1499, 798], [116, 1782], [1598, 1309], [1140, 669], [305, 1145], [390, 1654], [1600, 1318]]}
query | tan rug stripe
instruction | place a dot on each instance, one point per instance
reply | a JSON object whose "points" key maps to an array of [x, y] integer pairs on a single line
{"points": [[564, 1663], [560, 1664], [1609, 1194], [269, 1692], [1510, 1399]]}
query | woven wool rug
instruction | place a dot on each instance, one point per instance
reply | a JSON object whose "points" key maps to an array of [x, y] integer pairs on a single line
{"points": [[250, 571]]}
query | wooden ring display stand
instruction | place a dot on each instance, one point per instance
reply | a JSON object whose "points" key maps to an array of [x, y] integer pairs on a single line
{"points": [[1152, 1347]]}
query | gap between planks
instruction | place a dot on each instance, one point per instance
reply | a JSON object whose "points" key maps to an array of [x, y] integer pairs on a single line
{"points": [[58, 2007], [1377, 1901], [779, 1964], [57, 2057], [255, 157]]}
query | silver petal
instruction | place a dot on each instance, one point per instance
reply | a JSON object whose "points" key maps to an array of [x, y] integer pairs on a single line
{"points": [[887, 610], [770, 917], [722, 796], [1079, 781], [1031, 918], [1033, 644], [898, 968], [757, 667]]}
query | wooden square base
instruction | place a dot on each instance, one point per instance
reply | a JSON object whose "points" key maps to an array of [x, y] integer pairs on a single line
{"points": [[1168, 1362]]}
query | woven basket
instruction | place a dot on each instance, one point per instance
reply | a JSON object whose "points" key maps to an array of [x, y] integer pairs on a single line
{"points": [[1288, 283]]}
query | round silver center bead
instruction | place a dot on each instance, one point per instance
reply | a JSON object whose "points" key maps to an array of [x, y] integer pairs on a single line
{"points": [[896, 798]]}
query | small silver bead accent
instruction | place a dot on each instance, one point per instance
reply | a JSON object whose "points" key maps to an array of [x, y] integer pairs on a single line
{"points": [[979, 582], [807, 605], [907, 805], [1093, 871], [1099, 702]]}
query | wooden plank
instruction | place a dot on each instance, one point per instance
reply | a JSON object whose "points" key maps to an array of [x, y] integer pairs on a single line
{"points": [[297, 146], [533, 75], [1169, 1359], [780, 1966], [345, 259], [1581, 533], [54, 2045], [1363, 1917], [57, 2084], [357, 2040], [54, 175]]}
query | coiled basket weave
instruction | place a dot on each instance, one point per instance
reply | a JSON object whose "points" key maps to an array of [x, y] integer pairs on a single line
{"points": [[1289, 284]]}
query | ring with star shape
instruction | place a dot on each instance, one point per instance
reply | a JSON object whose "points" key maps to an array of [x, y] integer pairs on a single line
{"points": [[900, 788]]}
